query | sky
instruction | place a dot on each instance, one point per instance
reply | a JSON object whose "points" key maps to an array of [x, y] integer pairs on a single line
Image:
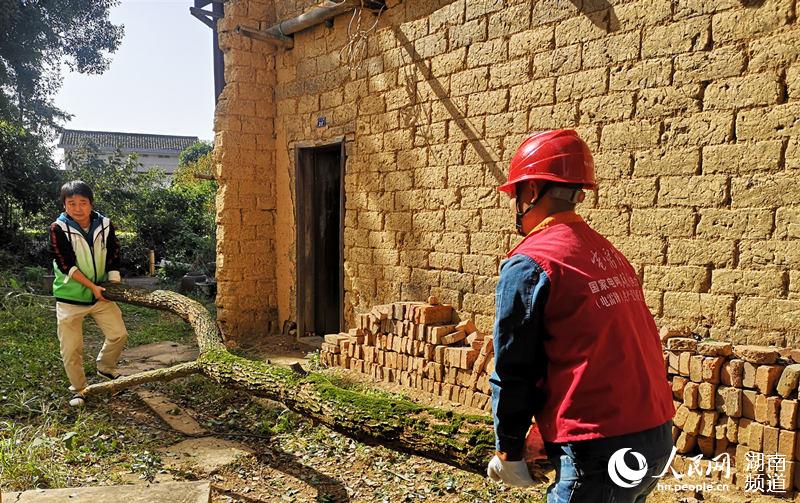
{"points": [[161, 78]]}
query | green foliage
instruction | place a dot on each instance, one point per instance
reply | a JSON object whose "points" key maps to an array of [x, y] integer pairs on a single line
{"points": [[26, 458], [116, 181], [151, 326], [28, 354], [194, 152], [178, 223], [134, 253], [36, 38], [28, 183], [43, 442], [33, 276], [24, 279], [194, 178], [195, 173], [286, 422], [314, 361]]}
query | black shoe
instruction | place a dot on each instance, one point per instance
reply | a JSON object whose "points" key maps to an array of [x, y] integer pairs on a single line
{"points": [[107, 375]]}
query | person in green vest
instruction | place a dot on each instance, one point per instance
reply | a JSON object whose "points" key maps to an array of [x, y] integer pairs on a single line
{"points": [[85, 253]]}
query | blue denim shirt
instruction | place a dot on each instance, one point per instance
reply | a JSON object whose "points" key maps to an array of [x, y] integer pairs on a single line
{"points": [[520, 361]]}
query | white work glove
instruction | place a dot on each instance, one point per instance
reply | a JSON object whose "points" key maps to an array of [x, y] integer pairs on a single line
{"points": [[511, 473]]}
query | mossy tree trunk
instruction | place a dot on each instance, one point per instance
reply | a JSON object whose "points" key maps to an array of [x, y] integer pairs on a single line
{"points": [[460, 440]]}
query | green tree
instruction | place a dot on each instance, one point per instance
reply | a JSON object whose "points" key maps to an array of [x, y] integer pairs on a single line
{"points": [[29, 181], [197, 172], [36, 38], [116, 180], [178, 223], [194, 152], [194, 180]]}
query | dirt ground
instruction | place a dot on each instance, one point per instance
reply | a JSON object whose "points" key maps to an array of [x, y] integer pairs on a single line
{"points": [[304, 462], [339, 469]]}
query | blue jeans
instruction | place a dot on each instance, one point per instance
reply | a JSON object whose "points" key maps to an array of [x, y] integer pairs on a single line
{"points": [[582, 468]]}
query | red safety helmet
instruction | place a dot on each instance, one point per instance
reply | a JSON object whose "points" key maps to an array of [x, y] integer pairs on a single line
{"points": [[558, 156]]}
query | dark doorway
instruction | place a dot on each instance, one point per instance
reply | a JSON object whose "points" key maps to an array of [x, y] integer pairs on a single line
{"points": [[320, 230]]}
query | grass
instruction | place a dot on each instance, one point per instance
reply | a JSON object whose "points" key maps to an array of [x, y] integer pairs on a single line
{"points": [[43, 442]]}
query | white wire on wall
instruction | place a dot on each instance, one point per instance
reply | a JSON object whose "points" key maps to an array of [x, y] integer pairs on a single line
{"points": [[353, 53]]}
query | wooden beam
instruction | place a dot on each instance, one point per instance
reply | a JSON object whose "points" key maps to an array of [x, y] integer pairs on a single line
{"points": [[276, 40]]}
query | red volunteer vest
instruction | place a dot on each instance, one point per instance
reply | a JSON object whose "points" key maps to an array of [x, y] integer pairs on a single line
{"points": [[605, 374]]}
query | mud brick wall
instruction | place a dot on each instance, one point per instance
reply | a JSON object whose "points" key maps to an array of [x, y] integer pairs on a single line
{"points": [[244, 160], [692, 109], [736, 400], [418, 345]]}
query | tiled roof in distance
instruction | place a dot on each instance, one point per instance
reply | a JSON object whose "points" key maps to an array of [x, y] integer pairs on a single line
{"points": [[125, 141]]}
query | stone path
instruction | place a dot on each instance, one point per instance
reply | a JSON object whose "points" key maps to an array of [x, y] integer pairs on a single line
{"points": [[174, 492], [177, 418], [154, 356], [206, 455]]}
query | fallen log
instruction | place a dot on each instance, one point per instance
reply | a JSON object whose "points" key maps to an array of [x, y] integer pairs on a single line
{"points": [[460, 440]]}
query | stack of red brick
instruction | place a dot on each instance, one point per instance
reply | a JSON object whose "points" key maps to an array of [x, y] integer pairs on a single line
{"points": [[418, 345], [739, 400], [736, 400]]}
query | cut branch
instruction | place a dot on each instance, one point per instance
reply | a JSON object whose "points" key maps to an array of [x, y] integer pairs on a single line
{"points": [[460, 440], [163, 374]]}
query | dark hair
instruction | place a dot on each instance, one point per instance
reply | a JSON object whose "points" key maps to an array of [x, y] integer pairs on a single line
{"points": [[76, 188]]}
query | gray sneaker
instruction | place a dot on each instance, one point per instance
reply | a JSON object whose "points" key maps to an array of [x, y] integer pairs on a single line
{"points": [[77, 401]]}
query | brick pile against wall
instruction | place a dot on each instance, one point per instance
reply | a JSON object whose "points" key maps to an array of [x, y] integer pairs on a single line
{"points": [[418, 345], [728, 399], [737, 400]]}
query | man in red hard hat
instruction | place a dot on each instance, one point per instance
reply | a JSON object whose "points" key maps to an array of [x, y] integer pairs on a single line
{"points": [[575, 344]]}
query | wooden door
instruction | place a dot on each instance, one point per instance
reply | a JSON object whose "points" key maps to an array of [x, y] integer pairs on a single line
{"points": [[320, 226]]}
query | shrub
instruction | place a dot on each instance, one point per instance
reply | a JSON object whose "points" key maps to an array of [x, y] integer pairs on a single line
{"points": [[134, 255], [177, 223]]}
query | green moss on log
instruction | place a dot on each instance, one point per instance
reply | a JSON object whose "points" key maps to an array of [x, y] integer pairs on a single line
{"points": [[462, 440]]}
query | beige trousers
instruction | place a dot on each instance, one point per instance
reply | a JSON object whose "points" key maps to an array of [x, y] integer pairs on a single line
{"points": [[108, 317]]}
